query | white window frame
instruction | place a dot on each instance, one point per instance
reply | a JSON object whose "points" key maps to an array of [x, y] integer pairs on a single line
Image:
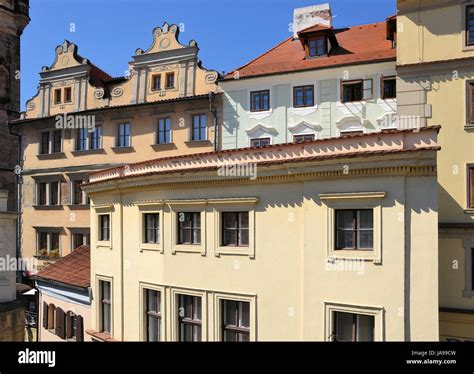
{"points": [[72, 181], [83, 231], [48, 232], [117, 134], [356, 200], [50, 142], [175, 292], [164, 307], [89, 137], [377, 312], [95, 234], [150, 208], [99, 279], [48, 192]]}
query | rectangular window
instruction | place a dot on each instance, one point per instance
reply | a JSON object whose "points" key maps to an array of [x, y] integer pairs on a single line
{"points": [[54, 251], [48, 193], [357, 90], [472, 269], [470, 25], [303, 138], [350, 327], [389, 87], [105, 306], [57, 96], [152, 228], [57, 136], [79, 239], [104, 227], [260, 101], [81, 142], [153, 315], [235, 321], [169, 80], [235, 229], [470, 94], [156, 82], [123, 139], [43, 246], [471, 186], [78, 197], [199, 127], [95, 138], [44, 148], [48, 244], [54, 193], [189, 228], [67, 95], [164, 131], [355, 229], [317, 46], [189, 317], [303, 96], [42, 194], [260, 142]]}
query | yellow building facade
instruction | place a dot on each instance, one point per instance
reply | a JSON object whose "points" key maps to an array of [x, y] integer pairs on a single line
{"points": [[246, 244], [435, 61], [83, 120]]}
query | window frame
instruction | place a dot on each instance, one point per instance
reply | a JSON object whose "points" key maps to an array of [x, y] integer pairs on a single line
{"points": [[51, 142], [48, 193], [102, 238], [304, 88], [101, 302], [467, 45], [363, 89], [67, 95], [237, 229], [304, 136], [49, 232], [237, 329], [57, 99], [86, 237], [355, 325], [382, 86], [193, 220], [167, 77], [261, 101], [127, 135], [165, 131], [251, 140], [355, 230], [193, 206], [154, 79], [189, 321], [200, 127], [153, 314], [143, 332], [325, 46], [468, 246]]}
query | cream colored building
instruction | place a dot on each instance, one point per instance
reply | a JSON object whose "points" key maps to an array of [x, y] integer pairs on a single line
{"points": [[332, 239], [436, 84], [83, 120]]}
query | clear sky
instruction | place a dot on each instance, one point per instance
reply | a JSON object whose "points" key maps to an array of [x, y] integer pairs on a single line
{"points": [[229, 33]]}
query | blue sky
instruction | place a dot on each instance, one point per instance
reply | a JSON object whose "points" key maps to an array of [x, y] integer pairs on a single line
{"points": [[229, 32]]}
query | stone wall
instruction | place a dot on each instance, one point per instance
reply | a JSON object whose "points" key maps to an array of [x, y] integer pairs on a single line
{"points": [[12, 321]]}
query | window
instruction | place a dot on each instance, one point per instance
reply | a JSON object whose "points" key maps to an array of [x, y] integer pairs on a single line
{"points": [[164, 131], [80, 238], [169, 80], [357, 90], [48, 244], [123, 139], [47, 193], [57, 136], [260, 101], [95, 138], [104, 227], [235, 229], [72, 322], [235, 321], [199, 127], [303, 138], [152, 228], [81, 142], [156, 82], [44, 146], [471, 187], [260, 142], [57, 96], [472, 269], [105, 306], [189, 317], [78, 197], [303, 96], [470, 94], [350, 327], [470, 25], [389, 88], [317, 46], [354, 229], [153, 315], [67, 95], [189, 227]]}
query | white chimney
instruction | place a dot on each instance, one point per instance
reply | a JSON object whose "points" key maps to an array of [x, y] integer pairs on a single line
{"points": [[310, 16]]}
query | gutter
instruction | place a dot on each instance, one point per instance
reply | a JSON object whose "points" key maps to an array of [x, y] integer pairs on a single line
{"points": [[213, 110]]}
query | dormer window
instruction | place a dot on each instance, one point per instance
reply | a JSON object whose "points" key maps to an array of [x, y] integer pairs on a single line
{"points": [[170, 80], [156, 82], [317, 46]]}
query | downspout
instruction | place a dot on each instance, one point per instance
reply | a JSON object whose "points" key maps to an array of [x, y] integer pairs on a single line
{"points": [[213, 110]]}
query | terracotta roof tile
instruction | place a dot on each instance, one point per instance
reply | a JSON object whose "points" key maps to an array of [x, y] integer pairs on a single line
{"points": [[73, 269], [358, 44]]}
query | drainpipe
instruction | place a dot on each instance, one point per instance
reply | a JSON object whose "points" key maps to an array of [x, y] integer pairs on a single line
{"points": [[19, 183], [213, 110]]}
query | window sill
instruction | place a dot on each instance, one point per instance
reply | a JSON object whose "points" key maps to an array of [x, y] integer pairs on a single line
{"points": [[101, 336], [468, 293], [189, 248], [88, 152], [48, 207], [198, 143], [78, 206], [47, 258], [469, 211], [123, 149], [234, 251], [356, 255], [51, 156], [260, 114], [469, 127], [104, 244], [151, 247], [163, 147]]}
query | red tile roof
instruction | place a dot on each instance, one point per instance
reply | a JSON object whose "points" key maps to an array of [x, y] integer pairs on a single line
{"points": [[357, 44], [73, 269]]}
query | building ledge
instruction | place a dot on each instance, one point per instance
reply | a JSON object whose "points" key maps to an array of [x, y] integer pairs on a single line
{"points": [[123, 149], [163, 147], [101, 336], [198, 143], [51, 156], [78, 206], [88, 152], [48, 207]]}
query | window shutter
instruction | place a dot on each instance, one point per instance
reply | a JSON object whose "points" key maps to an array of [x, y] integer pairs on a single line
{"points": [[79, 329], [367, 88], [68, 325], [45, 315], [60, 323]]}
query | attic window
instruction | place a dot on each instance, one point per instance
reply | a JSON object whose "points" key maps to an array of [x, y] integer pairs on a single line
{"points": [[317, 46], [67, 95], [156, 82], [170, 80], [57, 96]]}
